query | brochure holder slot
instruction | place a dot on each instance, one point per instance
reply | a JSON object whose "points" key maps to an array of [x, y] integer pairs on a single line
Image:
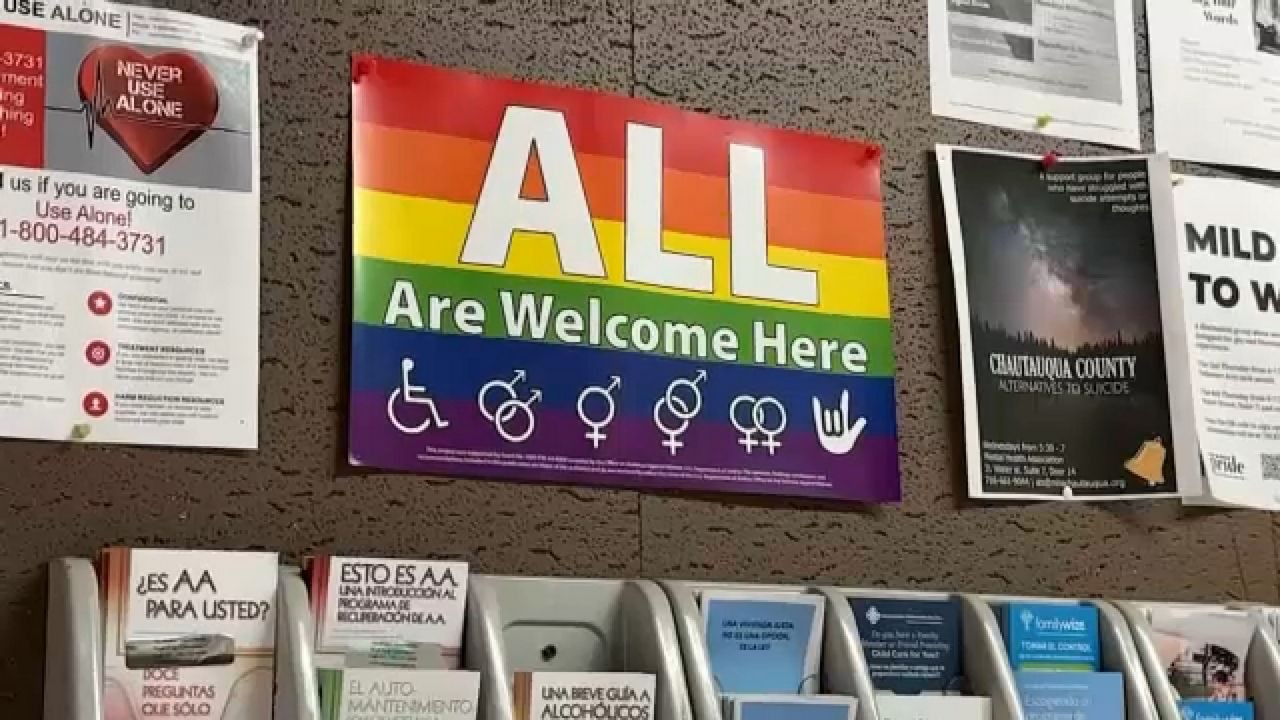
{"points": [[841, 672], [1262, 665], [297, 694], [986, 664], [1119, 652], [575, 625], [73, 642]]}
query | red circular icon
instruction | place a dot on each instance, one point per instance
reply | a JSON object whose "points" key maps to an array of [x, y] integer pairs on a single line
{"points": [[95, 404], [97, 353], [100, 302]]}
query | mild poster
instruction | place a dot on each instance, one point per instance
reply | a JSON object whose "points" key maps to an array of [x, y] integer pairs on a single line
{"points": [[560, 285], [1219, 270], [128, 226], [1060, 68], [1215, 80], [1058, 302]]}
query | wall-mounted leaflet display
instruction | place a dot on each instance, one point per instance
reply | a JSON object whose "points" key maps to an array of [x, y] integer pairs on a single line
{"points": [[1074, 656], [1221, 298], [919, 650], [1062, 68], [568, 643], [754, 615], [1214, 70], [129, 218], [1061, 349], [560, 285], [1207, 661]]}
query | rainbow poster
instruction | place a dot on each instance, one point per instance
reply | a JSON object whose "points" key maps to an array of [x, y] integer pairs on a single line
{"points": [[564, 286]]}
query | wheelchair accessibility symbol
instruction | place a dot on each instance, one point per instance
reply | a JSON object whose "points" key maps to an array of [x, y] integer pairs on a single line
{"points": [[761, 420], [501, 405], [410, 394], [681, 401]]}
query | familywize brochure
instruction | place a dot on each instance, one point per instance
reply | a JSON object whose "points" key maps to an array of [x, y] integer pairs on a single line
{"points": [[188, 633]]}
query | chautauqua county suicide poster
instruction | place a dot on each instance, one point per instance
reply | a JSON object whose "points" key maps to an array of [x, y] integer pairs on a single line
{"points": [[1062, 356], [565, 286], [128, 226]]}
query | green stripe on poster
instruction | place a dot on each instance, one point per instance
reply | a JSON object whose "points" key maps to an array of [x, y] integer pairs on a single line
{"points": [[453, 301]]}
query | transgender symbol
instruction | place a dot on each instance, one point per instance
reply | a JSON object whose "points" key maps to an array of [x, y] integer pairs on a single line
{"points": [[681, 401], [759, 422], [598, 423]]}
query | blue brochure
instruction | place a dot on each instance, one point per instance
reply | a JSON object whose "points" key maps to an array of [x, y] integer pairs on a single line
{"points": [[797, 707], [911, 646], [1048, 636], [763, 644], [1075, 695], [1215, 710]]}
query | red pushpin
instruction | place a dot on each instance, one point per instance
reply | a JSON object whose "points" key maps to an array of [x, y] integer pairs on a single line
{"points": [[873, 153], [1050, 159], [361, 69]]}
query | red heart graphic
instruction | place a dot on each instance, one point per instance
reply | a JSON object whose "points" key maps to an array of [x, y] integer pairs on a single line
{"points": [[153, 106]]}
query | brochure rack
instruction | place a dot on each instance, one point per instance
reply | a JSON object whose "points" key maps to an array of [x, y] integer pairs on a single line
{"points": [[1262, 666], [1119, 652], [985, 661], [568, 624], [73, 643], [297, 695], [843, 672]]}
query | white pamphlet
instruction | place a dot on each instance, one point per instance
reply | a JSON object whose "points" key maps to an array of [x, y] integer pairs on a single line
{"points": [[1203, 648], [188, 633], [390, 694], [788, 707], [361, 601], [1219, 275], [1062, 68], [542, 695], [932, 707], [1215, 80], [129, 226]]}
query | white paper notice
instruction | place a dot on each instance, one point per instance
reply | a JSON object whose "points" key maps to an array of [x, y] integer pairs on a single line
{"points": [[1020, 63], [1223, 269], [1215, 80], [128, 226]]}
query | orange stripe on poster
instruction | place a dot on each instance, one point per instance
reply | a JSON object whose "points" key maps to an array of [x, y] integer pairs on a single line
{"points": [[422, 164]]}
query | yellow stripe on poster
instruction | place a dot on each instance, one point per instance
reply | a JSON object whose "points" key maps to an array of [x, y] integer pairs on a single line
{"points": [[425, 231]]}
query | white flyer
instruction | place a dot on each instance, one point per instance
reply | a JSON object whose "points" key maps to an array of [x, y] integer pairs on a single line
{"points": [[1220, 273], [129, 226], [1215, 80], [1062, 68], [188, 634]]}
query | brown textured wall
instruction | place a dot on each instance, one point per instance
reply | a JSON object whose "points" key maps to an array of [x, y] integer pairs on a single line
{"points": [[854, 68]]}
